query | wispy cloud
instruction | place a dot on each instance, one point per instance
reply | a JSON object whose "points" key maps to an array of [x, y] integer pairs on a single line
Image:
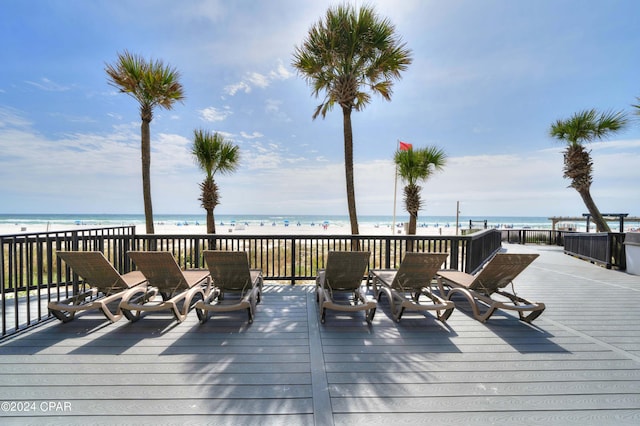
{"points": [[48, 85], [242, 86], [11, 117], [253, 135], [273, 107], [256, 79], [213, 114]]}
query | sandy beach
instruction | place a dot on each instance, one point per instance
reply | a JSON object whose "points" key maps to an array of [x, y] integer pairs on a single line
{"points": [[240, 229]]}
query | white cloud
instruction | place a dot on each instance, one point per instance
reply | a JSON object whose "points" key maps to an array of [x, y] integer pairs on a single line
{"points": [[528, 184], [281, 72], [232, 89], [255, 79], [253, 135], [11, 117], [213, 114], [258, 80]]}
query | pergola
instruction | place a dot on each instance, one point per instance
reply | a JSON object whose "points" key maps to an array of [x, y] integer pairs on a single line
{"points": [[608, 216]]}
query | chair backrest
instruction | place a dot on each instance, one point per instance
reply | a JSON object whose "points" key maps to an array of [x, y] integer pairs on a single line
{"points": [[345, 269], [160, 269], [229, 269], [500, 271], [417, 270], [94, 269]]}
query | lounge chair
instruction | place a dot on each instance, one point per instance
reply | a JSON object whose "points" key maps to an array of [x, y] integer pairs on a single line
{"points": [[339, 286], [179, 289], [404, 286], [231, 276], [481, 289], [107, 286]]}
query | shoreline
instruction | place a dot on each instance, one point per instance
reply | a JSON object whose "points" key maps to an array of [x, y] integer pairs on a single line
{"points": [[236, 229], [279, 225]]}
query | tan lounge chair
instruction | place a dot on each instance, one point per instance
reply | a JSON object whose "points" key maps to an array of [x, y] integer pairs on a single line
{"points": [[108, 286], [231, 276], [179, 289], [403, 287], [482, 288], [339, 286]]}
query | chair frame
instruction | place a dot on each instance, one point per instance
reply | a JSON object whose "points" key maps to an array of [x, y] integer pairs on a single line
{"points": [[230, 273], [175, 286], [479, 289], [108, 286], [413, 279], [343, 276]]}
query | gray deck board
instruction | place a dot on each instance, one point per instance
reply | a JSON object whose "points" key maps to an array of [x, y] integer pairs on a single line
{"points": [[579, 363]]}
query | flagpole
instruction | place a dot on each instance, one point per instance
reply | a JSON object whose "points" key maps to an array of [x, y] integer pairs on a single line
{"points": [[457, 215], [395, 191]]}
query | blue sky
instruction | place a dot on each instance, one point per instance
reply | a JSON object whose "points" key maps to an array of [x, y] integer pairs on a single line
{"points": [[487, 80]]}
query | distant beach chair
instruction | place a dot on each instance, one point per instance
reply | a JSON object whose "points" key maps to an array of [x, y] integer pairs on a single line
{"points": [[179, 289], [404, 286], [339, 286], [108, 287], [481, 289], [231, 276]]}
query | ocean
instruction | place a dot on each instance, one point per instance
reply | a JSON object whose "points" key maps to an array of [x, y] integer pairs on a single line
{"points": [[73, 220]]}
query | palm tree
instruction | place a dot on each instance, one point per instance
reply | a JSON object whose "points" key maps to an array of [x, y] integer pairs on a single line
{"points": [[346, 55], [414, 166], [213, 154], [152, 84], [581, 127]]}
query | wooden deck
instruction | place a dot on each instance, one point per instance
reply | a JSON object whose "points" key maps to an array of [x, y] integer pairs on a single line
{"points": [[578, 364]]}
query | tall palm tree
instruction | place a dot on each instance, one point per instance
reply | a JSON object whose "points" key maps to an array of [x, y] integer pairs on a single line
{"points": [[152, 84], [213, 154], [346, 55], [582, 127], [415, 166]]}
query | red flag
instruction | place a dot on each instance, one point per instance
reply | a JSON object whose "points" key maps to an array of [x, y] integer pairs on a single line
{"points": [[405, 146]]}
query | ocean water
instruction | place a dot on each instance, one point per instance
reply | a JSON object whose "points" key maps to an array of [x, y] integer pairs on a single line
{"points": [[73, 220]]}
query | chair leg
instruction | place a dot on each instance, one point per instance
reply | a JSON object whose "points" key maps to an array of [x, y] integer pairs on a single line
{"points": [[203, 315], [445, 315], [128, 314], [370, 314], [61, 315], [529, 318]]}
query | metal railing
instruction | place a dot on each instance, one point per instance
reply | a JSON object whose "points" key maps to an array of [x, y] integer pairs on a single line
{"points": [[534, 236], [32, 275], [605, 248]]}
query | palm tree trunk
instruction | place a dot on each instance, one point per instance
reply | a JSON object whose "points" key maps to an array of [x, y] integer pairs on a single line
{"points": [[413, 219], [413, 222], [412, 205], [145, 145], [211, 222], [348, 167], [601, 224]]}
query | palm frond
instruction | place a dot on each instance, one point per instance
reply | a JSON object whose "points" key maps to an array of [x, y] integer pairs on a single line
{"points": [[213, 153], [349, 52], [150, 82], [587, 126]]}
